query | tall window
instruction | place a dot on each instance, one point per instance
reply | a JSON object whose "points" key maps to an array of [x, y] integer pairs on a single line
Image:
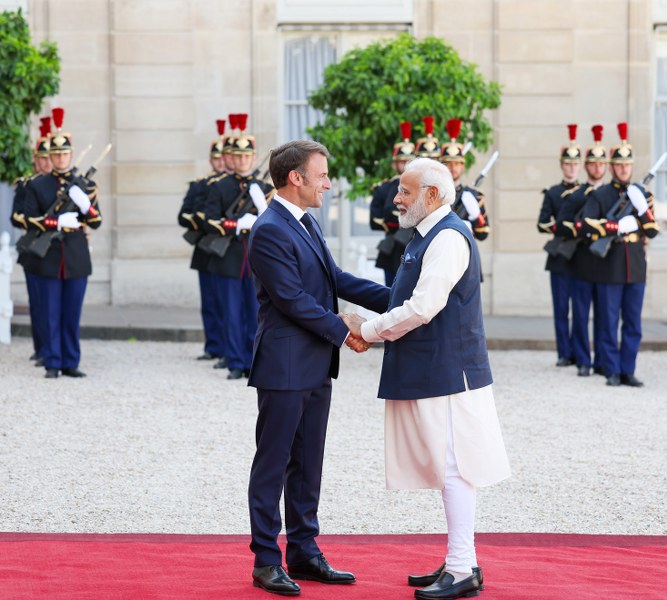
{"points": [[306, 57]]}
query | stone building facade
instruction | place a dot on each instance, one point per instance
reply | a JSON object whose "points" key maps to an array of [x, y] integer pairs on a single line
{"points": [[151, 76]]}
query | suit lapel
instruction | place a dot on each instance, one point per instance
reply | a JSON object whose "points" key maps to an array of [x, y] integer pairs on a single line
{"points": [[326, 260]]}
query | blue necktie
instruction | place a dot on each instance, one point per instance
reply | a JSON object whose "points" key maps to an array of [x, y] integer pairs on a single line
{"points": [[314, 234]]}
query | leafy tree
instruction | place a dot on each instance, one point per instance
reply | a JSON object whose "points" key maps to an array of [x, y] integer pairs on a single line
{"points": [[27, 76], [371, 90]]}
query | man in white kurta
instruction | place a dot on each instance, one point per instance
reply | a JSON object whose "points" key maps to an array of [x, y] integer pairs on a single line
{"points": [[452, 442]]}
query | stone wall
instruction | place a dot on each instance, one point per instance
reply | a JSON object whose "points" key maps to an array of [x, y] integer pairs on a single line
{"points": [[153, 75]]}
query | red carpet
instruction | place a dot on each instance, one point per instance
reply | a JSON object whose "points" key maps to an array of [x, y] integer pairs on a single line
{"points": [[179, 567]]}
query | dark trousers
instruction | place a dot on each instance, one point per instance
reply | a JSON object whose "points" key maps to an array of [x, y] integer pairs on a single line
{"points": [[561, 295], [290, 436], [584, 294], [61, 301], [212, 313], [36, 321], [620, 301], [241, 306], [389, 277]]}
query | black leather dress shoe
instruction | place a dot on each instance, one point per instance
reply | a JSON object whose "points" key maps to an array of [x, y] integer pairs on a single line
{"points": [[33, 356], [631, 380], [598, 370], [274, 579], [445, 588], [431, 578], [51, 373], [39, 362], [221, 364], [206, 356], [565, 362], [246, 373], [73, 372], [583, 371], [318, 569], [235, 374], [614, 380]]}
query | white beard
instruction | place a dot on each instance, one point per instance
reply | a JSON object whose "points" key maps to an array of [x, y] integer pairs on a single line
{"points": [[415, 213]]}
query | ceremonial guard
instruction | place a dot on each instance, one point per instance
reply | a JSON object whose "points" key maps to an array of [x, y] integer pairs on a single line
{"points": [[620, 216], [231, 208], [211, 304], [384, 215], [60, 206], [575, 249], [41, 165], [557, 265], [470, 204]]}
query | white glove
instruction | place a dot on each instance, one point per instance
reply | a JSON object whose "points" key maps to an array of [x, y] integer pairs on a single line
{"points": [[471, 204], [80, 198], [638, 199], [245, 222], [258, 197], [68, 220], [628, 224]]}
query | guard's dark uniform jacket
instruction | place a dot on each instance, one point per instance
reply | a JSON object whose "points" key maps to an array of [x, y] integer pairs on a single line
{"points": [[480, 226], [546, 221], [384, 217], [626, 260], [26, 259], [583, 263], [69, 256], [226, 201], [191, 215]]}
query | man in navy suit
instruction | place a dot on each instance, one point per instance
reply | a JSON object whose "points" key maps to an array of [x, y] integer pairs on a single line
{"points": [[296, 353]]}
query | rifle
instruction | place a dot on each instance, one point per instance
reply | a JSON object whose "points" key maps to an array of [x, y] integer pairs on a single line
{"points": [[600, 247], [568, 246], [458, 207], [213, 243], [63, 203], [622, 208]]}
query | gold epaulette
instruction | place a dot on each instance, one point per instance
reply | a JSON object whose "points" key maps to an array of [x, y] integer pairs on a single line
{"points": [[589, 190], [216, 179], [570, 191]]}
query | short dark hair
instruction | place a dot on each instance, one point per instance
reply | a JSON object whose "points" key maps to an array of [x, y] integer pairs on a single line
{"points": [[292, 156]]}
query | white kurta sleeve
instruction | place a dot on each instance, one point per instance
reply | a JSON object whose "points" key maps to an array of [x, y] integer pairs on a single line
{"points": [[445, 260]]}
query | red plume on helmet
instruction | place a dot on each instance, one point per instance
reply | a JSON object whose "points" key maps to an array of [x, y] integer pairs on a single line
{"points": [[406, 130], [572, 132], [242, 121], [597, 133], [58, 116], [232, 121], [428, 125], [221, 126], [46, 125], [454, 128], [623, 131]]}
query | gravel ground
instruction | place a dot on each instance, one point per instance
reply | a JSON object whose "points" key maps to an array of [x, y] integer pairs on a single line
{"points": [[154, 441]]}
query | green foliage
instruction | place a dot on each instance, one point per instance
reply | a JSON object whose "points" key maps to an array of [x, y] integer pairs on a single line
{"points": [[27, 76], [371, 90]]}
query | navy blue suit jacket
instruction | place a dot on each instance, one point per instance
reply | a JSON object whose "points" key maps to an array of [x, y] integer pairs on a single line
{"points": [[299, 333]]}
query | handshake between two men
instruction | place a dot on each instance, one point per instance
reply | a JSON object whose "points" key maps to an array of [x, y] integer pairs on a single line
{"points": [[355, 341]]}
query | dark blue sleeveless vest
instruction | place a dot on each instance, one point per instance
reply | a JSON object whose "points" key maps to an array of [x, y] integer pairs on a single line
{"points": [[430, 360]]}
